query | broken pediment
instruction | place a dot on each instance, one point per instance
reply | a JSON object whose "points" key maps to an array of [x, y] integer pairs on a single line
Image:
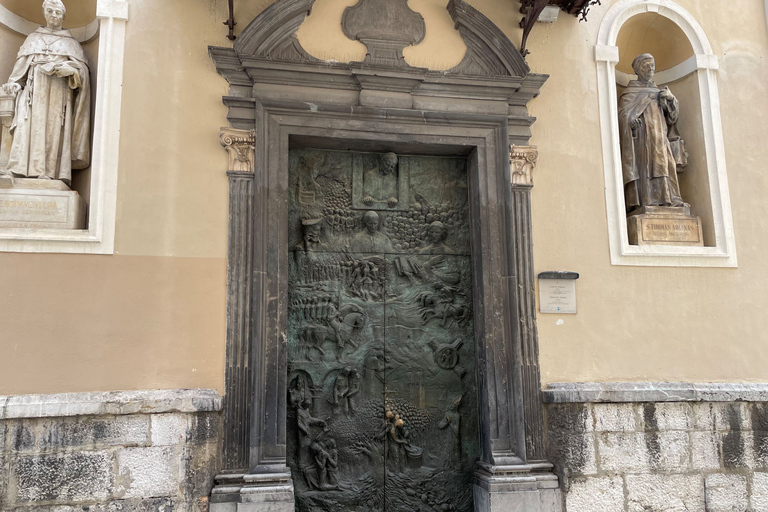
{"points": [[272, 36]]}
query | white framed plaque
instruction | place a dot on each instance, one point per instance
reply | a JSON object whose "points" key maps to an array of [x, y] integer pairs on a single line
{"points": [[557, 292]]}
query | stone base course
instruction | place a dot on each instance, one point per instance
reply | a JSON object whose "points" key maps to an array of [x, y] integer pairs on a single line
{"points": [[689, 455], [153, 451]]}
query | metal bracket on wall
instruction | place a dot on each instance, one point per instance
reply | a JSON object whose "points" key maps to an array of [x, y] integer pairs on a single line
{"points": [[532, 10], [231, 21]]}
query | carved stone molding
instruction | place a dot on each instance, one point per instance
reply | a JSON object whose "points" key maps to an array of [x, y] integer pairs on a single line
{"points": [[378, 105], [489, 50], [523, 160], [272, 34], [240, 146], [385, 27]]}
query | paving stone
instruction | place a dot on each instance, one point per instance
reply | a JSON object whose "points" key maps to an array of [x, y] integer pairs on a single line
{"points": [[730, 416], [148, 472], [668, 451], [705, 451], [598, 494], [65, 478], [169, 429], [665, 493], [759, 498], [666, 416], [574, 453], [570, 417], [622, 452], [56, 434], [726, 493], [614, 417]]}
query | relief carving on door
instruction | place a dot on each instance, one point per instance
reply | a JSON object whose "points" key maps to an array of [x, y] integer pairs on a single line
{"points": [[382, 397]]}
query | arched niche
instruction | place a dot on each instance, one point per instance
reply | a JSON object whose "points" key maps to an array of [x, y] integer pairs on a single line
{"points": [[99, 25], [687, 64]]}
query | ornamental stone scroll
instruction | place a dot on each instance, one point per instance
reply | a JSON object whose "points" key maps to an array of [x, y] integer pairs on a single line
{"points": [[523, 160], [241, 148]]}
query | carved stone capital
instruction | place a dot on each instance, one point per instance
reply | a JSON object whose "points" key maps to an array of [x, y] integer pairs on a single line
{"points": [[241, 148], [523, 160]]}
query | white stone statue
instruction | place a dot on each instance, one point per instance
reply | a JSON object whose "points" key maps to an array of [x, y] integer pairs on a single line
{"points": [[52, 88]]}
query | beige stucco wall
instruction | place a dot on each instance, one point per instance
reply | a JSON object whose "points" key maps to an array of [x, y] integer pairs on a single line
{"points": [[153, 315]]}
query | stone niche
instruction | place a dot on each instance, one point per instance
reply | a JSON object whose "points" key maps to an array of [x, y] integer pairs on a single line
{"points": [[659, 233], [72, 208], [45, 143], [283, 100]]}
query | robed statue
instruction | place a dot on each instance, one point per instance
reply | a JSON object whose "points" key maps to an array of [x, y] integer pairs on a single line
{"points": [[52, 88], [652, 153]]}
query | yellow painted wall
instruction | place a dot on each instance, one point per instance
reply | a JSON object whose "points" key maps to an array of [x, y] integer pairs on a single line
{"points": [[153, 315]]}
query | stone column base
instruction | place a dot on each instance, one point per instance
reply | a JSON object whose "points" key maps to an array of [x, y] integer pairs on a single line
{"points": [[261, 492], [529, 488]]}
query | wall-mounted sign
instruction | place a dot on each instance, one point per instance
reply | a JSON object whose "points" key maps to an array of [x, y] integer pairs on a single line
{"points": [[557, 292]]}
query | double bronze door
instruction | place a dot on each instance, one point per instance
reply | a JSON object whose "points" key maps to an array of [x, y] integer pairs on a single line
{"points": [[382, 405]]}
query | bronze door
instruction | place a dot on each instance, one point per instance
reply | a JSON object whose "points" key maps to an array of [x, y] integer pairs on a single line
{"points": [[382, 406]]}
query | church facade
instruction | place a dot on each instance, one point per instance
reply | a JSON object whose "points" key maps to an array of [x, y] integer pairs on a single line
{"points": [[363, 255]]}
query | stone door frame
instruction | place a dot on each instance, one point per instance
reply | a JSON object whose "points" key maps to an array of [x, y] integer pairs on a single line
{"points": [[282, 99]]}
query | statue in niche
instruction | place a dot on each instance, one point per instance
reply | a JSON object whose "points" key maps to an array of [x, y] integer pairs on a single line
{"points": [[380, 184], [51, 85], [652, 153], [370, 239]]}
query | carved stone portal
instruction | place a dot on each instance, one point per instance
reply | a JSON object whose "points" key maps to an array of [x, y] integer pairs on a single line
{"points": [[382, 392]]}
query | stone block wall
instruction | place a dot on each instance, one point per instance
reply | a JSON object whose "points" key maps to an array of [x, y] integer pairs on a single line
{"points": [[104, 452], [616, 452]]}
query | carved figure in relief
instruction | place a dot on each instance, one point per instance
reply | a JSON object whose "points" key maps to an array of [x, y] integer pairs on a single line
{"points": [[306, 459], [437, 233], [51, 84], [345, 387], [325, 466], [380, 184], [651, 151], [370, 239], [452, 422], [300, 390], [437, 265], [312, 267], [398, 445], [445, 303]]}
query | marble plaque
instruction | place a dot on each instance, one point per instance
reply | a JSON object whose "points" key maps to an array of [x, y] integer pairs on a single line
{"points": [[649, 229], [38, 208], [557, 296]]}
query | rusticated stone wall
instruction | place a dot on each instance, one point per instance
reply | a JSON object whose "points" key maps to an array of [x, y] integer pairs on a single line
{"points": [[687, 455], [104, 452]]}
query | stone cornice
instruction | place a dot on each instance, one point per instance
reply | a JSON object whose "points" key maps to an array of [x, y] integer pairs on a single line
{"points": [[617, 392], [153, 401]]}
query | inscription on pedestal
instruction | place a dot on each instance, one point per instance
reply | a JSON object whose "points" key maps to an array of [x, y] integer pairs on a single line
{"points": [[41, 209], [651, 229], [670, 230]]}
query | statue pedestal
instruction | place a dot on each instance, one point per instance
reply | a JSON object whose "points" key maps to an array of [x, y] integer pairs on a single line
{"points": [[44, 204], [664, 225], [528, 487], [258, 492]]}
